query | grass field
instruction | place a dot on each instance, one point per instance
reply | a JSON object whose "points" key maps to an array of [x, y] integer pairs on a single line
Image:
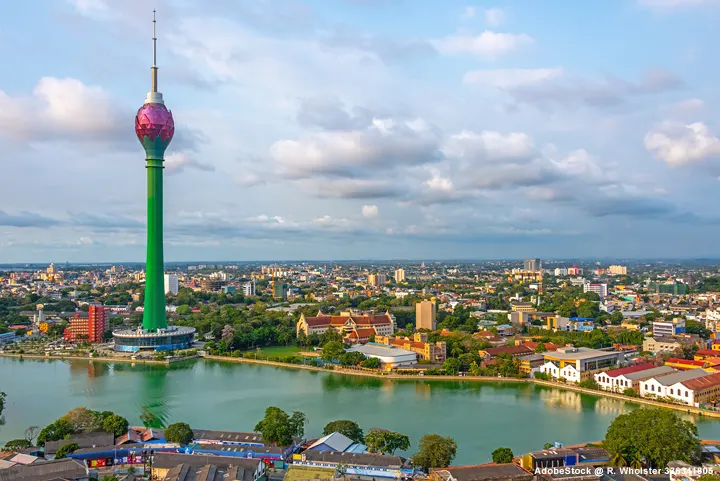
{"points": [[279, 350]]}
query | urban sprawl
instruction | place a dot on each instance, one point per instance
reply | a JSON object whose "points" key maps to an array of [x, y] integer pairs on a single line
{"points": [[641, 331]]}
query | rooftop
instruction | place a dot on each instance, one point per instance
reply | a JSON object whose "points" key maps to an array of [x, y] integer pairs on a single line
{"points": [[226, 436], [647, 374], [355, 459], [630, 369], [484, 472], [577, 353], [382, 350], [670, 379]]}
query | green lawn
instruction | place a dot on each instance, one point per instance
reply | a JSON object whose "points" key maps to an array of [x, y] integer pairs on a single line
{"points": [[279, 350]]}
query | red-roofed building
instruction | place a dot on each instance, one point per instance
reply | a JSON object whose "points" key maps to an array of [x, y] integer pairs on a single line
{"points": [[427, 351], [700, 391], [514, 351], [706, 353], [575, 271], [685, 364], [360, 335], [618, 380], [346, 323], [549, 346]]}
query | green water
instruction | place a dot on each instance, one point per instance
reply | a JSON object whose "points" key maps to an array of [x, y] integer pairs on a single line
{"points": [[216, 395]]}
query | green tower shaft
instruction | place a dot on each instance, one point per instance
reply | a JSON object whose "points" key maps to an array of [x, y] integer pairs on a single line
{"points": [[154, 313]]}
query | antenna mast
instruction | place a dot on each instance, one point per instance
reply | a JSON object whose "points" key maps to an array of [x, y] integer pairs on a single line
{"points": [[154, 64]]}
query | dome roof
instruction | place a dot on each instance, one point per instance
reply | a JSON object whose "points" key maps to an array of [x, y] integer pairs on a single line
{"points": [[153, 121]]}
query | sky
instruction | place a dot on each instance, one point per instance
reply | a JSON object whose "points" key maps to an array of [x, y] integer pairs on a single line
{"points": [[363, 129]]}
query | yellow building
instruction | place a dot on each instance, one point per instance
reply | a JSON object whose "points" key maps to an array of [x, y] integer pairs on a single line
{"points": [[427, 351]]}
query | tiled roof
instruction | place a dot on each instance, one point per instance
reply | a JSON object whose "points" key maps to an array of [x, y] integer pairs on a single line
{"points": [[495, 351], [703, 382], [340, 320], [630, 369], [685, 362]]}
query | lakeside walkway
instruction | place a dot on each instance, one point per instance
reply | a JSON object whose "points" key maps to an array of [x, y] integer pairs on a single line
{"points": [[400, 377]]}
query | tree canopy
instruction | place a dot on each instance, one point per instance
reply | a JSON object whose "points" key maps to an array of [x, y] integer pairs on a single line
{"points": [[386, 442], [180, 433], [66, 449], [17, 445], [278, 428], [351, 429], [435, 451], [502, 456], [655, 434]]}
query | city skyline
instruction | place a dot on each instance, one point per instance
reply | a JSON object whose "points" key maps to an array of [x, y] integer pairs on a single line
{"points": [[316, 130]]}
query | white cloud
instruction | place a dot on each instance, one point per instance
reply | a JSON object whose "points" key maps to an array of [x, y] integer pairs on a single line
{"points": [[439, 183], [370, 211], [469, 12], [59, 107], [509, 78], [681, 145], [494, 17], [488, 45], [489, 145], [177, 162]]}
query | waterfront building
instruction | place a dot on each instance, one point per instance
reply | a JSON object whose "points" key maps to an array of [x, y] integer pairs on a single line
{"points": [[359, 464], [171, 284], [482, 472], [171, 466], [346, 322], [154, 127], [336, 442], [427, 351], [578, 363], [425, 315], [90, 328], [696, 392], [710, 365], [87, 440], [668, 328], [618, 380], [390, 357], [659, 385]]}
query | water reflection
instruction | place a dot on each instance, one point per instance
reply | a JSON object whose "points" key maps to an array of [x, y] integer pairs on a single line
{"points": [[561, 399], [615, 407]]}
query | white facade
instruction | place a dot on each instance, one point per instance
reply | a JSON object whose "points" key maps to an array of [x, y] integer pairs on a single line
{"points": [[631, 380], [171, 284], [568, 372], [660, 386], [561, 271], [249, 288], [599, 289], [388, 356], [400, 275]]}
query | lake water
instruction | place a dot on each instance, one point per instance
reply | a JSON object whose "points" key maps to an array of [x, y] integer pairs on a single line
{"points": [[233, 396]]}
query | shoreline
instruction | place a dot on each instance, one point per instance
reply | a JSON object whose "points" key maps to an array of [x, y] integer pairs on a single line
{"points": [[397, 377]]}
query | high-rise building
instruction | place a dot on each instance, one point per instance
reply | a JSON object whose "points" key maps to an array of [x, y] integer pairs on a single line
{"points": [[532, 265], [599, 289], [90, 328], [377, 279], [425, 312], [618, 270], [171, 284], [280, 290], [399, 275], [249, 288]]}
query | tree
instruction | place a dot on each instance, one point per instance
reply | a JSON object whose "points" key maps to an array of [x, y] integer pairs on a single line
{"points": [[435, 451], [279, 429], [31, 433], [180, 433], [351, 429], [548, 445], [382, 441], [502, 456], [540, 347], [66, 449], [109, 478], [17, 445], [371, 363], [655, 434], [616, 318], [115, 424], [84, 420], [589, 383], [332, 350], [55, 431], [451, 366]]}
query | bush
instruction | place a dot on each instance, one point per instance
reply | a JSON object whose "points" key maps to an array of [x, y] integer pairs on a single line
{"points": [[543, 376], [17, 445], [630, 392], [589, 384], [66, 449]]}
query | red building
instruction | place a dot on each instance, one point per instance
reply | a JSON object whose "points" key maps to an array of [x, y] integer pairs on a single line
{"points": [[90, 328]]}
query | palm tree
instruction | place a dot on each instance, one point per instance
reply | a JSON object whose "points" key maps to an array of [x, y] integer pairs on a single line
{"points": [[637, 461], [618, 460]]}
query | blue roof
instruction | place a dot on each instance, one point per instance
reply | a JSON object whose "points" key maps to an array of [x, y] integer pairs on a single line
{"points": [[591, 319]]}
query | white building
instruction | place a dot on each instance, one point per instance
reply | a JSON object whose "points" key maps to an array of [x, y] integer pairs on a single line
{"points": [[578, 363], [249, 288], [599, 289], [171, 284], [389, 356], [618, 380], [668, 328], [399, 275], [561, 271], [660, 386]]}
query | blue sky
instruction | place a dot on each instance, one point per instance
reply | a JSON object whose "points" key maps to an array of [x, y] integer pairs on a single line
{"points": [[344, 129]]}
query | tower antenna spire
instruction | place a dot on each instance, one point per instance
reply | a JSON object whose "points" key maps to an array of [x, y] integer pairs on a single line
{"points": [[154, 64]]}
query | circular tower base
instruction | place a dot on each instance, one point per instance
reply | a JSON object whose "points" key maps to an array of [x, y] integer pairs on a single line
{"points": [[170, 339]]}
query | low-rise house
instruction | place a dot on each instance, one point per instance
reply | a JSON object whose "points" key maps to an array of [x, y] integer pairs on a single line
{"points": [[59, 469], [658, 386], [360, 464], [482, 472], [336, 442], [661, 344], [241, 469], [696, 392], [88, 440], [615, 380], [514, 351], [687, 364], [631, 379]]}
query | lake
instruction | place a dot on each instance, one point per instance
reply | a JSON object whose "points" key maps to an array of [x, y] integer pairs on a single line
{"points": [[233, 396]]}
